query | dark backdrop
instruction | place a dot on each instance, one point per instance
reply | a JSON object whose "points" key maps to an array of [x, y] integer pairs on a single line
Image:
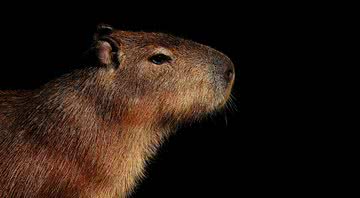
{"points": [[248, 151]]}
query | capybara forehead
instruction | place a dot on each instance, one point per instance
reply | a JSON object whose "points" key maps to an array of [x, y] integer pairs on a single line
{"points": [[142, 39]]}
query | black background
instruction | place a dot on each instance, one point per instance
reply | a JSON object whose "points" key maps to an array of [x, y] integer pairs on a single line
{"points": [[258, 148]]}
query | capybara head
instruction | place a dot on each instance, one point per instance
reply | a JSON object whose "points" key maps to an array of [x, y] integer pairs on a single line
{"points": [[159, 74]]}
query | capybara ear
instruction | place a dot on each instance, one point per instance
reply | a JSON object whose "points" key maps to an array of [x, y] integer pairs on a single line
{"points": [[108, 50]]}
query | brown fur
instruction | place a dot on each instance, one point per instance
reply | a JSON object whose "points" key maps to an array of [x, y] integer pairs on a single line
{"points": [[90, 132]]}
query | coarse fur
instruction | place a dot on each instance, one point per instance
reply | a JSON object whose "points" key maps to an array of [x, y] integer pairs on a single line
{"points": [[90, 132]]}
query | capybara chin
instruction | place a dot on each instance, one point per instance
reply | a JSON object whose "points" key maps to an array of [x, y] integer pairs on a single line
{"points": [[89, 132]]}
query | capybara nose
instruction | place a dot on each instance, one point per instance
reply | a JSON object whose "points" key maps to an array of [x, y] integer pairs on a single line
{"points": [[225, 68], [229, 73]]}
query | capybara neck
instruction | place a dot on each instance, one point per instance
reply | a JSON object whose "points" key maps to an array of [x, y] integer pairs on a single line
{"points": [[85, 128]]}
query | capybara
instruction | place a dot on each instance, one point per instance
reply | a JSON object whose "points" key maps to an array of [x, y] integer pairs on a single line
{"points": [[89, 132]]}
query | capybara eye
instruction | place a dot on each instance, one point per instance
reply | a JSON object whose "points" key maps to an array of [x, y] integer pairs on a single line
{"points": [[159, 59]]}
